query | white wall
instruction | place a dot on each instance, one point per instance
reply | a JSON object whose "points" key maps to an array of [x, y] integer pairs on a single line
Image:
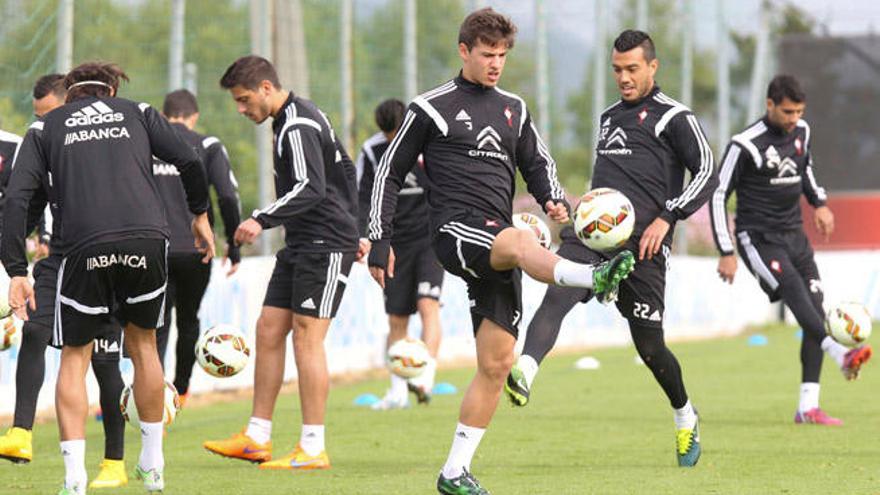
{"points": [[698, 305]]}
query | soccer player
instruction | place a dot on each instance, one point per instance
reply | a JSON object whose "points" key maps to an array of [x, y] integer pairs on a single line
{"points": [[16, 444], [647, 141], [473, 137], [418, 275], [317, 198], [112, 237], [187, 276], [769, 165]]}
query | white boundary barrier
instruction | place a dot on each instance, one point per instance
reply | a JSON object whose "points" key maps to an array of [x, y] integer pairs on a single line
{"points": [[698, 305]]}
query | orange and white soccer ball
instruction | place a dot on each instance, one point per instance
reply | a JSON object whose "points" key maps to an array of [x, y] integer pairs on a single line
{"points": [[222, 351], [10, 328], [408, 357], [849, 323], [171, 405], [527, 221], [604, 219]]}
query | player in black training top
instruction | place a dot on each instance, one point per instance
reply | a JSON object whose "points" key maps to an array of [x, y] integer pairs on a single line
{"points": [[418, 275], [473, 137], [93, 158], [316, 203], [770, 165], [16, 444], [187, 276], [647, 141], [9, 144]]}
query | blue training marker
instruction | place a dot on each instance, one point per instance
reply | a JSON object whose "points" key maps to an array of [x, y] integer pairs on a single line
{"points": [[799, 334], [444, 388], [365, 400], [757, 340]]}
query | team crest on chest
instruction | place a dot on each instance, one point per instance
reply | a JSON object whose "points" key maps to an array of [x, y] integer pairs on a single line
{"points": [[798, 146], [509, 114], [643, 115]]}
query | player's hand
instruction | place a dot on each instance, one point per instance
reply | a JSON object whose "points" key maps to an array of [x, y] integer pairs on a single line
{"points": [[824, 219], [364, 246], [556, 211], [21, 296], [379, 274], [727, 267], [247, 232], [652, 238], [204, 237]]}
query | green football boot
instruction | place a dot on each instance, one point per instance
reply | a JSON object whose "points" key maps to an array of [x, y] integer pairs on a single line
{"points": [[465, 484], [516, 387], [153, 479], [608, 276]]}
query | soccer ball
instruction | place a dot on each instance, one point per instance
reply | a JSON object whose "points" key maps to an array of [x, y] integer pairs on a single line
{"points": [[222, 351], [604, 219], [10, 329], [408, 357], [527, 221], [129, 408], [848, 323]]}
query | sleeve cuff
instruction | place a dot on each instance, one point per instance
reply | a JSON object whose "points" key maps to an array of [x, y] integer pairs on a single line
{"points": [[379, 254], [260, 220], [669, 216]]}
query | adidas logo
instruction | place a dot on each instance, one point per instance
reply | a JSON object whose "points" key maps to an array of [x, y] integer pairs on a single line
{"points": [[308, 304], [462, 115], [655, 316], [96, 113], [114, 347]]}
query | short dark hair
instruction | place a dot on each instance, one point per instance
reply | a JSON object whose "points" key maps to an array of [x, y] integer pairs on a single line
{"points": [[389, 115], [102, 77], [632, 39], [180, 103], [487, 26], [785, 86], [50, 83], [249, 72]]}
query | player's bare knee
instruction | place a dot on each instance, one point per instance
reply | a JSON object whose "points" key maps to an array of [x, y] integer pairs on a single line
{"points": [[496, 367]]}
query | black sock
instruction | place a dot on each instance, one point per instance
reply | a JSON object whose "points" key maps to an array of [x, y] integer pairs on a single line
{"points": [[660, 360], [111, 385], [30, 372], [544, 327]]}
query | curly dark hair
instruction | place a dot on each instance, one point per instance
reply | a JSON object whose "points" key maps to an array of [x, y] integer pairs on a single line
{"points": [[106, 77]]}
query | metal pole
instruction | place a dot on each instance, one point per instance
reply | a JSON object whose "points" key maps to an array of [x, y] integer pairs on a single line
{"points": [[175, 51], [599, 64], [642, 15], [723, 69], [261, 44], [687, 53], [191, 77], [64, 43], [542, 83], [759, 66], [346, 70], [410, 57]]}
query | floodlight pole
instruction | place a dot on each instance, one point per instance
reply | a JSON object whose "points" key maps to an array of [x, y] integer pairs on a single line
{"points": [[541, 83], [347, 86], [410, 56], [175, 52], [64, 43], [599, 64]]}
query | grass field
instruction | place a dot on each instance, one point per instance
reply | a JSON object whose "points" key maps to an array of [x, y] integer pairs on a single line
{"points": [[604, 431]]}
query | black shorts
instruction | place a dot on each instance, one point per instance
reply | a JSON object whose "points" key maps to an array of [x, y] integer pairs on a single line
{"points": [[642, 295], [310, 284], [417, 274], [772, 256], [125, 278], [464, 247], [45, 285]]}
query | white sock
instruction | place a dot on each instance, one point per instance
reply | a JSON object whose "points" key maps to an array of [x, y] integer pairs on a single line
{"points": [[398, 388], [151, 446], [835, 350], [570, 274], [528, 366], [312, 439], [809, 397], [464, 444], [259, 429], [74, 453], [685, 417]]}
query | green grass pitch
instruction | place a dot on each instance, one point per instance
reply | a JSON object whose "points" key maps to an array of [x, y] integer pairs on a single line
{"points": [[604, 431]]}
